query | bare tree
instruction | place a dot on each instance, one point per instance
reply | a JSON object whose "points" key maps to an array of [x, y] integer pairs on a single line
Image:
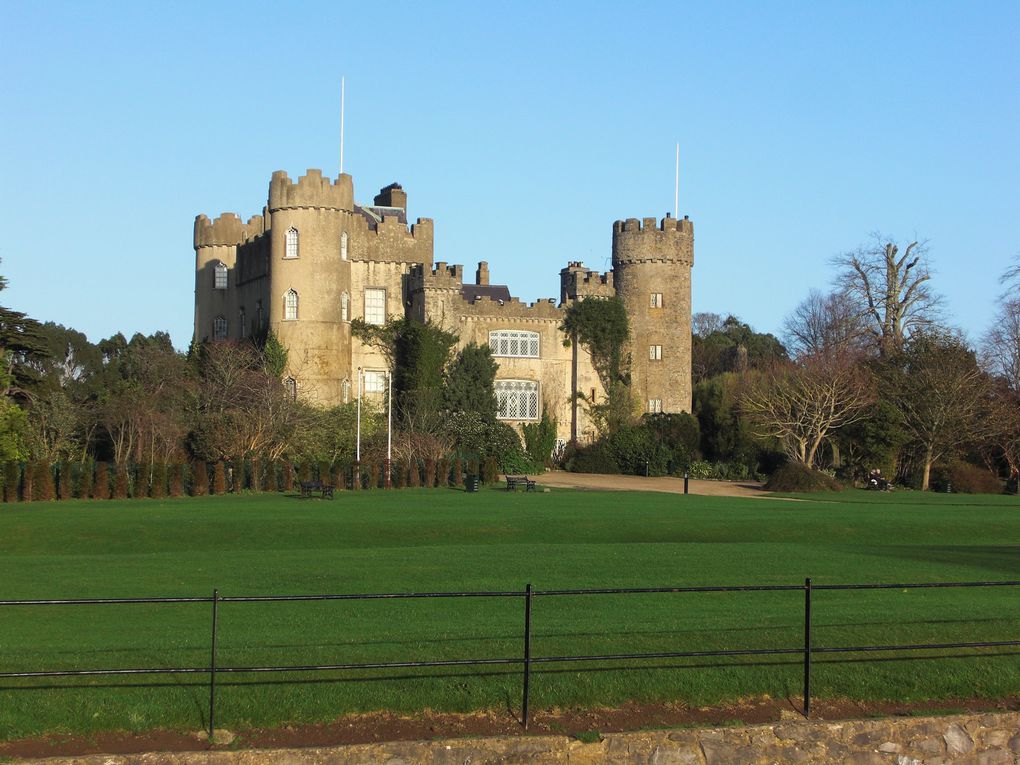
{"points": [[942, 393], [890, 290], [1001, 351], [704, 324], [801, 404], [825, 325]]}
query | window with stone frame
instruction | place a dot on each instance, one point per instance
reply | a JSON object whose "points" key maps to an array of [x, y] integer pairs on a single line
{"points": [[514, 343], [516, 399], [656, 300], [343, 246], [655, 353], [345, 391], [219, 328], [345, 306], [375, 381], [655, 406], [290, 385], [291, 245], [290, 305], [220, 275], [375, 305]]}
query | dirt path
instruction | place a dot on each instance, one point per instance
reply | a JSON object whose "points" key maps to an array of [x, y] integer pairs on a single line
{"points": [[601, 482]]}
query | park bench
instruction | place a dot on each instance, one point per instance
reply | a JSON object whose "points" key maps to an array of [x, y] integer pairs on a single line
{"points": [[307, 487], [513, 481]]}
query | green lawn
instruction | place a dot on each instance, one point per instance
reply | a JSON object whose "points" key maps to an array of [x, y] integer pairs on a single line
{"points": [[432, 540]]}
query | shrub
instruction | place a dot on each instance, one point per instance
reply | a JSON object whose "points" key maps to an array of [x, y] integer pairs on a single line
{"points": [[43, 489], [472, 468], [139, 486], [199, 479], [219, 478], [65, 481], [443, 472], [540, 439], [120, 481], [373, 476], [797, 477], [398, 474], [177, 480], [83, 486], [595, 458], [413, 475], [490, 470], [305, 471], [12, 477], [355, 476], [159, 478], [429, 479], [517, 462], [965, 478], [27, 482], [287, 476], [101, 486], [458, 472]]}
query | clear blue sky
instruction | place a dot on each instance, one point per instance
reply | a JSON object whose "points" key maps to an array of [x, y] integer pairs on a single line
{"points": [[524, 130]]}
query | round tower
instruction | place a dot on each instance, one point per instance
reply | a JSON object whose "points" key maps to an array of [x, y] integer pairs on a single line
{"points": [[652, 264], [309, 275]]}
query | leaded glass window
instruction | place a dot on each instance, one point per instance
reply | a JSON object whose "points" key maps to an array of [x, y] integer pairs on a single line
{"points": [[516, 399], [514, 343]]}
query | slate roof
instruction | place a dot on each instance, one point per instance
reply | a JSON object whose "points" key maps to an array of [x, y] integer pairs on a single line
{"points": [[491, 291], [374, 214]]}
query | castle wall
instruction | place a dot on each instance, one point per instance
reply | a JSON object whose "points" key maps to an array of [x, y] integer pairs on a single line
{"points": [[651, 258], [386, 254]]}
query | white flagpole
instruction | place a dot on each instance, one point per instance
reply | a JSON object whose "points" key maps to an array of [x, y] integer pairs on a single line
{"points": [[357, 455], [342, 126], [389, 431], [676, 188]]}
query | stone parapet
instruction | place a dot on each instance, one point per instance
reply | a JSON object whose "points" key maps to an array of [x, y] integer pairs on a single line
{"points": [[989, 739]]}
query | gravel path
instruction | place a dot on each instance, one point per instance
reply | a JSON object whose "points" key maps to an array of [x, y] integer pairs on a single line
{"points": [[600, 482]]}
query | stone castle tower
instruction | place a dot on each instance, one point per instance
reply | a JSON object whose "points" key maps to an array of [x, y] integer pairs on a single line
{"points": [[652, 266], [314, 260]]}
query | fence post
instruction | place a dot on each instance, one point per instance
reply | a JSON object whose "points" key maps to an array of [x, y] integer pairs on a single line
{"points": [[212, 666], [807, 647], [527, 654]]}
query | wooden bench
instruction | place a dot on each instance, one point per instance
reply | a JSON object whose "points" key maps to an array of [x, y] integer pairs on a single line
{"points": [[307, 487], [513, 481]]}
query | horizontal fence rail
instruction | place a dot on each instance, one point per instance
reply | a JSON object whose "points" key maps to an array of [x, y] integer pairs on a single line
{"points": [[526, 659]]}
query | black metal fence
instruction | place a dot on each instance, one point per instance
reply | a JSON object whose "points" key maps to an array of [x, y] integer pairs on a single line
{"points": [[525, 659]]}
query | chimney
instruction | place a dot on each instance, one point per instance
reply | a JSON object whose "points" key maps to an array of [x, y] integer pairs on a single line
{"points": [[391, 196], [482, 274]]}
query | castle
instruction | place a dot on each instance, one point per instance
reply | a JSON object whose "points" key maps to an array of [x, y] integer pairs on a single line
{"points": [[314, 260]]}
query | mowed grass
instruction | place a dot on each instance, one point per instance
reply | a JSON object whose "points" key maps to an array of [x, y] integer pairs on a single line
{"points": [[436, 540]]}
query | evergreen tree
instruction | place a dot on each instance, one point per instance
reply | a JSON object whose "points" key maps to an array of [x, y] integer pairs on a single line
{"points": [[199, 479], [470, 382]]}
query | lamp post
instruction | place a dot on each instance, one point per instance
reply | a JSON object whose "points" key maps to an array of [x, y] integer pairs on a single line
{"points": [[389, 430]]}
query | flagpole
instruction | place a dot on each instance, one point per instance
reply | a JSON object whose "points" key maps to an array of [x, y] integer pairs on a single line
{"points": [[341, 126], [389, 431], [676, 188]]}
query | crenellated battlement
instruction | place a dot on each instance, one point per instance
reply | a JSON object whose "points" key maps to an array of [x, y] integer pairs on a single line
{"points": [[577, 282], [439, 276], [311, 190], [631, 225], [227, 230]]}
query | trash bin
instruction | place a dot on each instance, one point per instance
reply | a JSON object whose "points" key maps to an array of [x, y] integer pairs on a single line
{"points": [[471, 483]]}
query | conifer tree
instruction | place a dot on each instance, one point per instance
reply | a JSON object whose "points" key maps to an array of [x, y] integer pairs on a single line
{"points": [[101, 486], [120, 481], [219, 478], [177, 480], [199, 479], [12, 478]]}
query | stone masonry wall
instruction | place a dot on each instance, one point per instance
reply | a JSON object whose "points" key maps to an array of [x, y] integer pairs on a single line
{"points": [[990, 739]]}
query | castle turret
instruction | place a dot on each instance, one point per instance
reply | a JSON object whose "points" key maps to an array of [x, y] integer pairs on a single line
{"points": [[652, 264]]}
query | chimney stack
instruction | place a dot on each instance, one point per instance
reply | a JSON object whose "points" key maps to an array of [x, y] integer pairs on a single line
{"points": [[392, 196], [482, 274]]}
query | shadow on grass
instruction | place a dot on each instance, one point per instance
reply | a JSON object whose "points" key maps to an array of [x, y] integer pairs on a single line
{"points": [[1001, 558], [222, 681]]}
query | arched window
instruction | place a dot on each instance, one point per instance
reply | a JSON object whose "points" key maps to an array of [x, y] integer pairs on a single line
{"points": [[290, 385], [292, 243], [514, 343], [290, 305], [219, 328], [220, 275], [345, 307], [240, 319], [516, 399], [345, 390], [343, 246]]}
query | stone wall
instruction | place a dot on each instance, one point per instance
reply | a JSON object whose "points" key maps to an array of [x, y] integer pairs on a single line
{"points": [[991, 739]]}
